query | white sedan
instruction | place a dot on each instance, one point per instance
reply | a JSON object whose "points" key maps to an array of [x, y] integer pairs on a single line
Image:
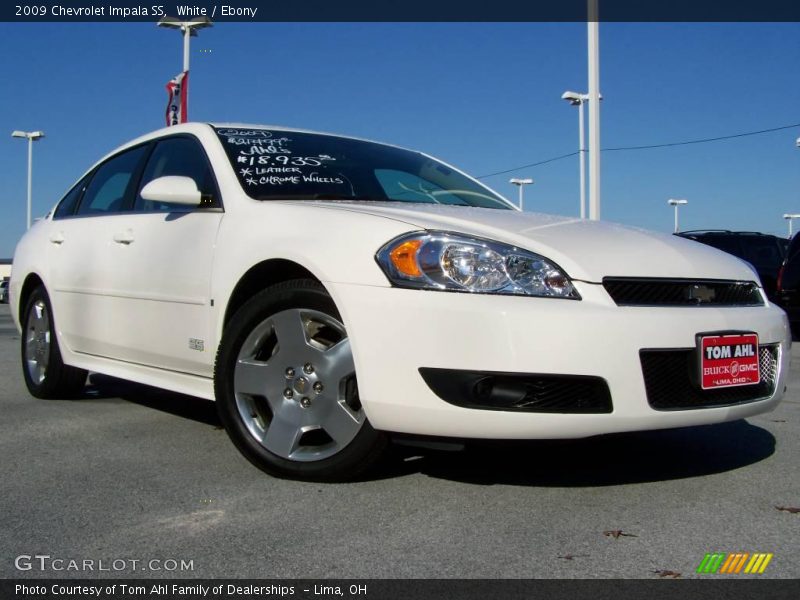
{"points": [[329, 292]]}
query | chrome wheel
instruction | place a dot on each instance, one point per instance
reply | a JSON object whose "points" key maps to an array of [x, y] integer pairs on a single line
{"points": [[295, 388], [37, 341]]}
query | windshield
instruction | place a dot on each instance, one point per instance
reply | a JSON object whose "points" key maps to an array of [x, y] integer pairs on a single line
{"points": [[288, 165]]}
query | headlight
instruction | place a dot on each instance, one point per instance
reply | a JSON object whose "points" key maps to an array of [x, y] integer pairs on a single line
{"points": [[445, 261]]}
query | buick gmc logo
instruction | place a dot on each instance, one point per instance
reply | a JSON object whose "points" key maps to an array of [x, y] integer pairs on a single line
{"points": [[699, 293]]}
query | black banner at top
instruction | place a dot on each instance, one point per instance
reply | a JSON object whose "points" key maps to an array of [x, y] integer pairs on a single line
{"points": [[407, 10]]}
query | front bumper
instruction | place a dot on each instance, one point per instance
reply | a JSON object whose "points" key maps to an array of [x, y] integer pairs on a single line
{"points": [[395, 332]]}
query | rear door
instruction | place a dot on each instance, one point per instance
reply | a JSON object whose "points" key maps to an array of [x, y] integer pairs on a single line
{"points": [[84, 279]]}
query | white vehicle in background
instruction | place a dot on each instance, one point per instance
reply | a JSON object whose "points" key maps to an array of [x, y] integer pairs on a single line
{"points": [[328, 292]]}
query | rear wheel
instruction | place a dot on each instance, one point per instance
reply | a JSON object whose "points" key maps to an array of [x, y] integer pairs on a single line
{"points": [[286, 387], [45, 373]]}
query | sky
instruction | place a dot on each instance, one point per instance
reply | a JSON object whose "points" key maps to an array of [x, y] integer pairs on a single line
{"points": [[482, 96]]}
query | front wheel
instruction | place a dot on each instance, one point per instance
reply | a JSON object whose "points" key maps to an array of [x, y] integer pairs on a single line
{"points": [[45, 373], [286, 387]]}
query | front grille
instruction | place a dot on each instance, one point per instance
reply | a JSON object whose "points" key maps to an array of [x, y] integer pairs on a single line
{"points": [[670, 378], [522, 392], [636, 291]]}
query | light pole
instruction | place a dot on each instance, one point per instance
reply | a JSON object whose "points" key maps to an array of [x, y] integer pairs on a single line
{"points": [[31, 136], [791, 217], [578, 99], [676, 204], [189, 29], [520, 183], [593, 43]]}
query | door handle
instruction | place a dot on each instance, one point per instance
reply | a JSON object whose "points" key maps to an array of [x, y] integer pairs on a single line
{"points": [[124, 237], [57, 238]]}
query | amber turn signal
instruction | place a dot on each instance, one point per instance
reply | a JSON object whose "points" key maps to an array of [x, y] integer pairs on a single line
{"points": [[404, 258]]}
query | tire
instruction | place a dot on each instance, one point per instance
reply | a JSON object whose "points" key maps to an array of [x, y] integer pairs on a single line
{"points": [[286, 389], [45, 373]]}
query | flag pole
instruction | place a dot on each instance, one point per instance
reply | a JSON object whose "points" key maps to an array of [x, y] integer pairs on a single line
{"points": [[187, 34], [188, 29]]}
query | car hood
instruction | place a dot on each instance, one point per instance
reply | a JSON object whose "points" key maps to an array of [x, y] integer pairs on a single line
{"points": [[586, 250]]}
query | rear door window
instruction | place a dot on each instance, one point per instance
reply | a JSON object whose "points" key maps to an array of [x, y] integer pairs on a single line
{"points": [[66, 207]]}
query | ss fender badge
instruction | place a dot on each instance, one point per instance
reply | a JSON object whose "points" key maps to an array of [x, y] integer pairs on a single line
{"points": [[195, 344]]}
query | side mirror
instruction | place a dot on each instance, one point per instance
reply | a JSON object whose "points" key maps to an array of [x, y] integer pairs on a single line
{"points": [[175, 189]]}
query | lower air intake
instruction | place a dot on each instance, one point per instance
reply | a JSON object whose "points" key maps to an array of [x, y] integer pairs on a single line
{"points": [[521, 392], [670, 380]]}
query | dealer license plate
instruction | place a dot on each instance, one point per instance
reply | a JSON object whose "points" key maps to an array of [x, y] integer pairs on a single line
{"points": [[728, 360]]}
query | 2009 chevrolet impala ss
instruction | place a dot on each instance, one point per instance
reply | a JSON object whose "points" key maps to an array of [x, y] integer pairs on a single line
{"points": [[329, 291]]}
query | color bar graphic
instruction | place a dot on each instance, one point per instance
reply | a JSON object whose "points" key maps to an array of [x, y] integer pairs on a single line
{"points": [[734, 562]]}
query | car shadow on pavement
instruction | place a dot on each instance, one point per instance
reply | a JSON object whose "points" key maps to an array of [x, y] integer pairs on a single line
{"points": [[599, 461], [189, 407]]}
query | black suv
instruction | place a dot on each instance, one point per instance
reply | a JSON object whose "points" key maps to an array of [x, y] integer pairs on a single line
{"points": [[765, 252], [789, 285]]}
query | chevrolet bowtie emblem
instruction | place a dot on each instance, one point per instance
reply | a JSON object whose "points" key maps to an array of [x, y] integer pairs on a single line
{"points": [[699, 293]]}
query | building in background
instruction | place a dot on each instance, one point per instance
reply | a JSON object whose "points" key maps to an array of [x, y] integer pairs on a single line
{"points": [[5, 268]]}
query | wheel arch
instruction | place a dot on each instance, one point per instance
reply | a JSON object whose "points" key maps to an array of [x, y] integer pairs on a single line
{"points": [[259, 277], [32, 281]]}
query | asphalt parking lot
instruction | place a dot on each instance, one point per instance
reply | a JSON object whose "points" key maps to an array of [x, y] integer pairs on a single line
{"points": [[129, 473]]}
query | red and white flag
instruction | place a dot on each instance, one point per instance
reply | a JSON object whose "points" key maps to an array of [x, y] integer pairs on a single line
{"points": [[176, 107]]}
